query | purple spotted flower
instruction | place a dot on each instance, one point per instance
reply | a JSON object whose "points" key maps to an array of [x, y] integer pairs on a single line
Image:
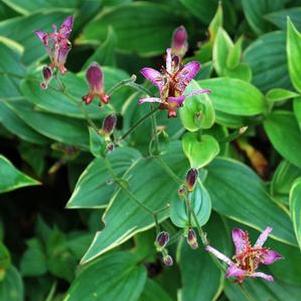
{"points": [[172, 82], [57, 44], [95, 80], [247, 258], [179, 44]]}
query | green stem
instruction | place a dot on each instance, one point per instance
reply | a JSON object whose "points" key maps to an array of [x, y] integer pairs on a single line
{"points": [[188, 209], [120, 84], [139, 122], [168, 170]]}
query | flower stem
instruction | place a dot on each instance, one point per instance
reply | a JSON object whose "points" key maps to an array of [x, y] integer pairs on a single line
{"points": [[120, 84], [139, 122]]}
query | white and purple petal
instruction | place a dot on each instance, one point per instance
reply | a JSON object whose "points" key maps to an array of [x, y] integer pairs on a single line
{"points": [[189, 71], [263, 276], [149, 99], [41, 35], [271, 256], [66, 27], [240, 239], [198, 92], [168, 60], [94, 77], [263, 237], [154, 76], [219, 255]]}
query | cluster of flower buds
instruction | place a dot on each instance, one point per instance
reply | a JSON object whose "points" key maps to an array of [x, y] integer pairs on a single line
{"points": [[161, 242], [58, 46], [95, 79]]}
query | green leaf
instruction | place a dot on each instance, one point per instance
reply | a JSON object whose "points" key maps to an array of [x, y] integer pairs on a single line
{"points": [[124, 217], [28, 7], [105, 53], [200, 150], [200, 203], [279, 18], [113, 277], [148, 22], [21, 29], [267, 58], [33, 262], [97, 143], [203, 10], [11, 70], [5, 259], [234, 55], [216, 22], [283, 179], [221, 48], [279, 94], [234, 96], [153, 292], [17, 126], [201, 278], [12, 178], [242, 71], [293, 48], [69, 102], [56, 127], [198, 111], [11, 287], [95, 186], [285, 135], [254, 11], [295, 208], [238, 193]]}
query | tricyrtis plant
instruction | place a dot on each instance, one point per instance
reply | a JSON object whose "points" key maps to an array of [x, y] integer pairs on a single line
{"points": [[195, 143]]}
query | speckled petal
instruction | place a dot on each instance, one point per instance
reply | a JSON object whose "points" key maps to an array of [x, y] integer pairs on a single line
{"points": [[271, 256], [240, 239], [168, 60], [219, 255], [41, 35], [263, 237], [149, 99], [234, 271], [263, 276], [66, 27], [154, 76], [198, 92], [176, 100]]}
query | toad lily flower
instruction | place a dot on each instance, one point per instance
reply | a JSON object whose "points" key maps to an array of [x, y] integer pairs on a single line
{"points": [[95, 80], [57, 44], [247, 258], [172, 82]]}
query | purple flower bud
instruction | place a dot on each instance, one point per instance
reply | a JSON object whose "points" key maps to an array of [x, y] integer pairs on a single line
{"points": [[192, 239], [162, 239], [179, 44], [47, 75], [167, 260], [109, 124], [95, 80], [191, 178]]}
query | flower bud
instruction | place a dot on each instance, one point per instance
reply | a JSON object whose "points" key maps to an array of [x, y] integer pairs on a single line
{"points": [[47, 75], [109, 124], [191, 178], [167, 260], [182, 191], [162, 240], [192, 239], [179, 44], [110, 147]]}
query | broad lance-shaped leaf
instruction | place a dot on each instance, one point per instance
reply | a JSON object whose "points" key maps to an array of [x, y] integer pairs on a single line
{"points": [[115, 277], [153, 186], [95, 186], [200, 203], [235, 96], [285, 135], [238, 193], [295, 208], [267, 58], [153, 292], [11, 70], [150, 26], [12, 178], [69, 103], [293, 48], [56, 127], [201, 278]]}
